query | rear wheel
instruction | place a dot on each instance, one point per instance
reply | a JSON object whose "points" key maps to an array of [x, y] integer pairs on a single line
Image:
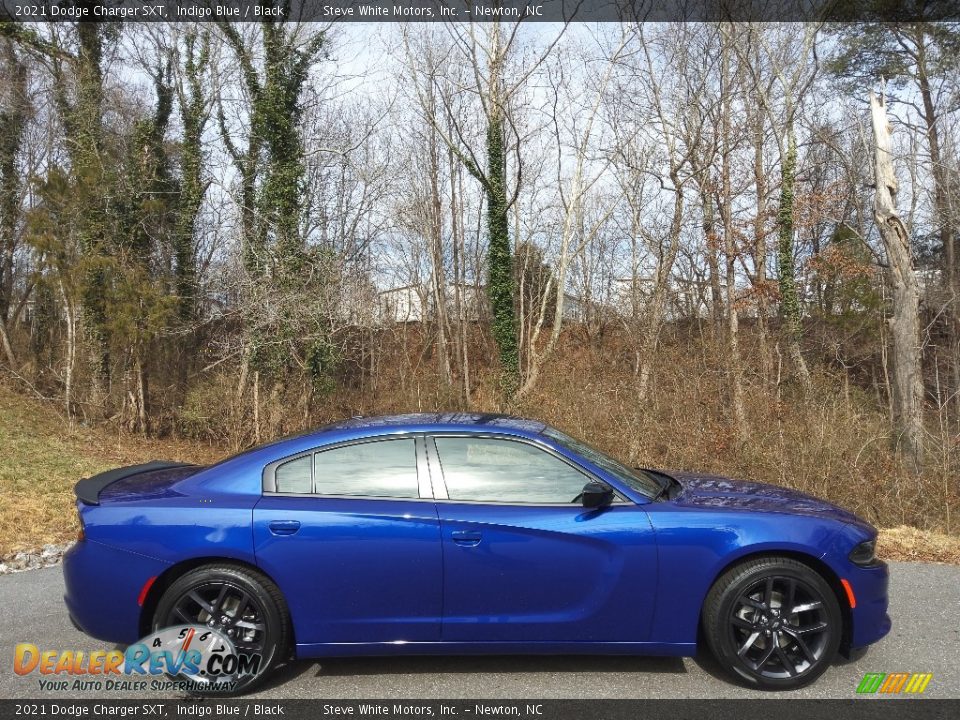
{"points": [[242, 604], [773, 622]]}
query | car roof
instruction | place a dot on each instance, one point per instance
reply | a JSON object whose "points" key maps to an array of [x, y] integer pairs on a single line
{"points": [[460, 420], [361, 427]]}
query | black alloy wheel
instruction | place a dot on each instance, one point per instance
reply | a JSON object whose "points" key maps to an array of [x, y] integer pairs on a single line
{"points": [[238, 602], [226, 607], [773, 622]]}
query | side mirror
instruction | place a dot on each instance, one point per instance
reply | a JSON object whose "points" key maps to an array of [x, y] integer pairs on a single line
{"points": [[596, 495]]}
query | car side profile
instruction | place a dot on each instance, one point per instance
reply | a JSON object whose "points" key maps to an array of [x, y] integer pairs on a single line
{"points": [[473, 533]]}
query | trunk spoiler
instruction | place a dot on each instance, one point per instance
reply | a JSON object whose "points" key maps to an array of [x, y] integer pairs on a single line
{"points": [[88, 489]]}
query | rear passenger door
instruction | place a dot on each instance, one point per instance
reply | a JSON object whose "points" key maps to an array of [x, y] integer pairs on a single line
{"points": [[524, 561], [351, 535]]}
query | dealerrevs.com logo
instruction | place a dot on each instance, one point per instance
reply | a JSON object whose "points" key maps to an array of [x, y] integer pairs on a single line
{"points": [[190, 658], [894, 683]]}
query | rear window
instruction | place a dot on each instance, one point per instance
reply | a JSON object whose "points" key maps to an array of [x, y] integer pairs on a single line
{"points": [[380, 468], [385, 468]]}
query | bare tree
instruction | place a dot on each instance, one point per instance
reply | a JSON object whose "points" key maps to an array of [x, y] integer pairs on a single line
{"points": [[661, 142], [730, 249], [576, 231], [905, 322]]}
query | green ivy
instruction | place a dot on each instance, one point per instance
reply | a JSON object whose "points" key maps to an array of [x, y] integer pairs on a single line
{"points": [[500, 260], [322, 360]]}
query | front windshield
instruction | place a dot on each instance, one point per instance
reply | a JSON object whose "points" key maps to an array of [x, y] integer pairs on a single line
{"points": [[637, 479]]}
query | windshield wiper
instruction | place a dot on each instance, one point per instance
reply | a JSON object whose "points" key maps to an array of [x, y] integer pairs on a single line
{"points": [[662, 479], [663, 490]]}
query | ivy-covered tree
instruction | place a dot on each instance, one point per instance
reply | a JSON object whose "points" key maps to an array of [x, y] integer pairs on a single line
{"points": [[14, 111], [790, 313], [146, 213], [194, 113], [489, 60], [500, 286], [282, 337], [75, 63]]}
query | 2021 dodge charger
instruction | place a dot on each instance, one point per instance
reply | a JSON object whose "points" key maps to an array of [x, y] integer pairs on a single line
{"points": [[463, 533]]}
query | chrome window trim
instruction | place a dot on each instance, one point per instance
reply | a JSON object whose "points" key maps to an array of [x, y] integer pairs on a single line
{"points": [[437, 480], [424, 481], [319, 496]]}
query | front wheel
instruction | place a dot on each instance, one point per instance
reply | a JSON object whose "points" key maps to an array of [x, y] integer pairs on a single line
{"points": [[773, 622], [242, 605]]}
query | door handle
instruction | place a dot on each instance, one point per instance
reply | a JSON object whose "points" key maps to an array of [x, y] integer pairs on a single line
{"points": [[284, 527], [466, 538]]}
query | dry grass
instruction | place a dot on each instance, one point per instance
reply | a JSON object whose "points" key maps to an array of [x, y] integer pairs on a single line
{"points": [[835, 444], [42, 456], [907, 543]]}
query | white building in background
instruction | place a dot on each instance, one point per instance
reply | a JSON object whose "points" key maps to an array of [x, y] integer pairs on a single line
{"points": [[402, 304], [414, 303], [685, 298]]}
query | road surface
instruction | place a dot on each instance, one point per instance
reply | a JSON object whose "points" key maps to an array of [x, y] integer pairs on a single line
{"points": [[924, 605]]}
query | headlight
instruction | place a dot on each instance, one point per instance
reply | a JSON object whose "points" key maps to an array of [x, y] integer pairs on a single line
{"points": [[865, 553]]}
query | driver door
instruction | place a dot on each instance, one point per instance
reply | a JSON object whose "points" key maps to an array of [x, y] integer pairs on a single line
{"points": [[523, 560]]}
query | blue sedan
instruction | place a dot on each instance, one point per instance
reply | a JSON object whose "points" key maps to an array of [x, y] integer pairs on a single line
{"points": [[472, 533]]}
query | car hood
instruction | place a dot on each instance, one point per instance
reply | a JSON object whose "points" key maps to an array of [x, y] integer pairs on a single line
{"points": [[712, 491]]}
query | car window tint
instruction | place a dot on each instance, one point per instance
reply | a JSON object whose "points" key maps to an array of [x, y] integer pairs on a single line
{"points": [[492, 470], [294, 476], [386, 468]]}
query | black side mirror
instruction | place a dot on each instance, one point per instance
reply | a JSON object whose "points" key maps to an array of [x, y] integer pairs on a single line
{"points": [[596, 495]]}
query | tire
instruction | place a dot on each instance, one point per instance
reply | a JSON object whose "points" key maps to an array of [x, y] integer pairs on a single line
{"points": [[773, 622], [224, 588]]}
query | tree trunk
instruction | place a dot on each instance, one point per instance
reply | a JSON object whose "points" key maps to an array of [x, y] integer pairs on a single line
{"points": [[193, 115], [143, 410], [713, 260], [941, 201], [905, 322], [654, 310], [7, 347], [735, 369], [256, 407], [85, 132], [760, 249], [13, 119], [71, 351], [438, 277], [786, 267], [499, 256], [459, 276]]}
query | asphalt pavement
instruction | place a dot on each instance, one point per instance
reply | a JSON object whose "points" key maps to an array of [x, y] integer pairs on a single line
{"points": [[924, 605]]}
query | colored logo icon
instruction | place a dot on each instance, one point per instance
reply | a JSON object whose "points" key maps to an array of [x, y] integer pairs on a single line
{"points": [[894, 683]]}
